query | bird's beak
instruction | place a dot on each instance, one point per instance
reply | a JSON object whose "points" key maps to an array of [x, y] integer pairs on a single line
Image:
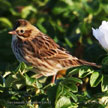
{"points": [[12, 32]]}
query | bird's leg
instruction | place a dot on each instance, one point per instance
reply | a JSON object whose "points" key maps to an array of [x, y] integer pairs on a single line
{"points": [[59, 75], [53, 79]]}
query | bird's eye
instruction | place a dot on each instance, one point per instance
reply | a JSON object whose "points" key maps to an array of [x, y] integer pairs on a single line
{"points": [[22, 31]]}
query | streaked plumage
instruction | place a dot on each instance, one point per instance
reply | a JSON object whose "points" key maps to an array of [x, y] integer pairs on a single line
{"points": [[38, 50]]}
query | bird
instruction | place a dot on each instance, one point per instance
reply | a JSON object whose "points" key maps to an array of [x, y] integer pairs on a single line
{"points": [[40, 51]]}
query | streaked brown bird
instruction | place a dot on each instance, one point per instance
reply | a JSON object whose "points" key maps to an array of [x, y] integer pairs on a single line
{"points": [[37, 49]]}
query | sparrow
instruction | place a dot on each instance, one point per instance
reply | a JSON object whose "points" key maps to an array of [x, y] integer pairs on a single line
{"points": [[38, 50]]}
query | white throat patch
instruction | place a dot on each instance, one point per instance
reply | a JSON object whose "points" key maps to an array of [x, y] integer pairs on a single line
{"points": [[14, 37]]}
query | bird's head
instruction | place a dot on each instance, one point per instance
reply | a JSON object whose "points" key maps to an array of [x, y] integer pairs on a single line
{"points": [[23, 29]]}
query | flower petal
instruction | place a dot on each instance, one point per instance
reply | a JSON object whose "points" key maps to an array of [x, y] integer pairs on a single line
{"points": [[101, 37]]}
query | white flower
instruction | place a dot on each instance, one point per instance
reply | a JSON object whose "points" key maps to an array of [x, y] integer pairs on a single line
{"points": [[101, 34]]}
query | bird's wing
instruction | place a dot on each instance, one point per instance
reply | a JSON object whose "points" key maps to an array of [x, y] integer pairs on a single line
{"points": [[44, 47]]}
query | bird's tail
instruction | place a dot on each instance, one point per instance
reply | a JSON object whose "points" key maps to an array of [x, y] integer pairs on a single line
{"points": [[83, 62], [73, 63]]}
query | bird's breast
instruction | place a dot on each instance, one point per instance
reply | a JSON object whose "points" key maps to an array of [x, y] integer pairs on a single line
{"points": [[17, 49]]}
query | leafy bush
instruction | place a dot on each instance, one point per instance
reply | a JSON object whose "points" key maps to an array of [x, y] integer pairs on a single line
{"points": [[69, 23]]}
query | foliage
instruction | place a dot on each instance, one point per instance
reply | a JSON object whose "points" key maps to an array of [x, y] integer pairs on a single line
{"points": [[69, 23]]}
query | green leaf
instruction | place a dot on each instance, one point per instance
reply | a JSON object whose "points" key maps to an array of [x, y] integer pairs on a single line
{"points": [[18, 84], [76, 80], [27, 10], [6, 22], [6, 74], [73, 96], [63, 101], [60, 90], [38, 84], [51, 92], [95, 79], [29, 81], [104, 84], [105, 7], [105, 61], [23, 68], [68, 42], [72, 87], [13, 12], [15, 81], [9, 80], [73, 71], [85, 71], [68, 2], [40, 25]]}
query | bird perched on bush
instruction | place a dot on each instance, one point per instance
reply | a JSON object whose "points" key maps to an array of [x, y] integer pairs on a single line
{"points": [[38, 50]]}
